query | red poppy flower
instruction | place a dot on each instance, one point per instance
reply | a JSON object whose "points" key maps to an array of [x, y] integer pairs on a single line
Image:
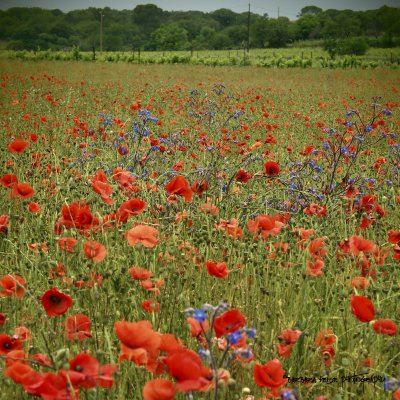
{"points": [[307, 150], [328, 353], [385, 327], [359, 282], [359, 244], [144, 234], [272, 168], [325, 338], [138, 335], [42, 359], [185, 367], [243, 176], [196, 330], [67, 243], [314, 267], [217, 269], [55, 303], [158, 389], [228, 322], [76, 215], [287, 339], [150, 305], [34, 207], [199, 188], [21, 373], [12, 285], [394, 237], [52, 386], [16, 356], [17, 146], [140, 274], [101, 186], [106, 378], [269, 375], [22, 333], [362, 308], [8, 343], [180, 186], [3, 318], [315, 209], [4, 223], [266, 224], [130, 208], [316, 248], [84, 371], [8, 180], [78, 327], [23, 190], [95, 251]]}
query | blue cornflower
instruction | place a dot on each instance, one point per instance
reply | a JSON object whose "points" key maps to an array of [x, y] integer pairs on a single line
{"points": [[251, 332], [318, 168], [326, 145], [344, 150], [233, 338], [349, 123], [200, 315], [391, 384], [204, 354], [368, 128], [386, 111], [311, 163], [244, 353]]}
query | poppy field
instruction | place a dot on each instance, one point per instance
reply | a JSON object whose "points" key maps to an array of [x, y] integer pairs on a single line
{"points": [[190, 232]]}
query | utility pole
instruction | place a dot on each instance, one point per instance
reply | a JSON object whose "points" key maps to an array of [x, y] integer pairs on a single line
{"points": [[101, 31], [278, 11], [248, 30]]}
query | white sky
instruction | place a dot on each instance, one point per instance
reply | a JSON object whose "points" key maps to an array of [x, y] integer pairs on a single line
{"points": [[288, 8]]}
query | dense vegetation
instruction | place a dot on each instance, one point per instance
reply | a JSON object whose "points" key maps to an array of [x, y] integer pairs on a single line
{"points": [[173, 233], [150, 28]]}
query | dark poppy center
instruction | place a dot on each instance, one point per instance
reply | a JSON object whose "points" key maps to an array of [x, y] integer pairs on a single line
{"points": [[7, 345], [55, 299]]}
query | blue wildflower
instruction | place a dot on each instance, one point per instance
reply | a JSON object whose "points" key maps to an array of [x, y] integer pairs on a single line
{"points": [[368, 128], [391, 384], [200, 315]]}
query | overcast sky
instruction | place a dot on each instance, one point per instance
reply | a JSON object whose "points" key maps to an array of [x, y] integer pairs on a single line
{"points": [[288, 8]]}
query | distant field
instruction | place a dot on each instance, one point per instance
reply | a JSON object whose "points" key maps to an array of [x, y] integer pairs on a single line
{"points": [[190, 232]]}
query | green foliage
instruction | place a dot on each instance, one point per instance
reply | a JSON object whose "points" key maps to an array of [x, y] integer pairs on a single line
{"points": [[351, 46], [168, 37], [33, 28]]}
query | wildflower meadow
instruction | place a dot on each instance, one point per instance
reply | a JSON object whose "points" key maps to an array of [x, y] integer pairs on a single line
{"points": [[193, 232]]}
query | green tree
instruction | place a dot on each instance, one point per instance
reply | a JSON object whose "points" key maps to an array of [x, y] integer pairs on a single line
{"points": [[224, 17], [259, 32], [308, 26], [168, 37], [309, 10], [148, 17], [204, 39], [278, 32]]}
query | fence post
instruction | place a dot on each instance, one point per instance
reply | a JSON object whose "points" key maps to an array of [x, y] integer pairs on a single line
{"points": [[94, 54]]}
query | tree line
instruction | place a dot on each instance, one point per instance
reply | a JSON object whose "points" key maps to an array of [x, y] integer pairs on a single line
{"points": [[148, 27]]}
